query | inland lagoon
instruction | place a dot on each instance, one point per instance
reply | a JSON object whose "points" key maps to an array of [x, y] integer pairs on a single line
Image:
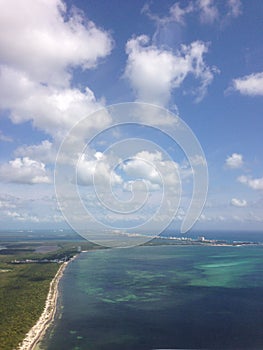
{"points": [[161, 297]]}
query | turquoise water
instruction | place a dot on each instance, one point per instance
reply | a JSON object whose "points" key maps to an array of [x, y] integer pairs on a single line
{"points": [[161, 298]]}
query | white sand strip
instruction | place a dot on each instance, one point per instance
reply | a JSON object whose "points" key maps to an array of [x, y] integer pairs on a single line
{"points": [[39, 329]]}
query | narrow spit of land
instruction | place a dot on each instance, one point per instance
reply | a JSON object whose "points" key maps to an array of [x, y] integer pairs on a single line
{"points": [[38, 330]]}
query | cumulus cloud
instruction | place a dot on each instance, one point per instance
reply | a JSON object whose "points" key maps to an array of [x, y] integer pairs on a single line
{"points": [[45, 40], [146, 185], [255, 184], [39, 48], [146, 61], [98, 166], [234, 161], [251, 85], [43, 152], [143, 166], [50, 109], [151, 167], [24, 171], [144, 172], [238, 202]]}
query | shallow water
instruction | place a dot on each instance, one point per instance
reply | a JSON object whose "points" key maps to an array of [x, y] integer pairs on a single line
{"points": [[162, 297]]}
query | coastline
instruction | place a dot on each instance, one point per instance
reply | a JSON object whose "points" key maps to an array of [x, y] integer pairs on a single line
{"points": [[36, 333]]}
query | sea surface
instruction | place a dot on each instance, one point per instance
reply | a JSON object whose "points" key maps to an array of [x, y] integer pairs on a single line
{"points": [[161, 297]]}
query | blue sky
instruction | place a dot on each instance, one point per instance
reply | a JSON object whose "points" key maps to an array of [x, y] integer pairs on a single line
{"points": [[61, 61]]}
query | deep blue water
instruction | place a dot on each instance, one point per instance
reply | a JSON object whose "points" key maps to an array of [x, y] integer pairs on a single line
{"points": [[162, 297]]}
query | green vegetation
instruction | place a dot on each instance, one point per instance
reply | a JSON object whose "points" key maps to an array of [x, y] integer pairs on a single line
{"points": [[23, 291], [24, 287]]}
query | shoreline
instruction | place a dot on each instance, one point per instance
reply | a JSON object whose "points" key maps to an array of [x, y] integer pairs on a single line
{"points": [[36, 333]]}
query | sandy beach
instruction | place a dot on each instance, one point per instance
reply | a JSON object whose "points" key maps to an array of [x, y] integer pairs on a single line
{"points": [[38, 330]]}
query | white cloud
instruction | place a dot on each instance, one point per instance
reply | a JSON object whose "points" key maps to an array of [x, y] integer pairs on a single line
{"points": [[251, 85], [146, 185], [143, 166], [5, 138], [198, 160], [12, 214], [145, 62], [178, 13], [99, 167], [151, 167], [5, 204], [44, 40], [204, 217], [53, 110], [39, 48], [24, 171], [234, 161], [34, 206], [255, 184], [205, 10], [208, 11], [238, 202], [8, 201], [235, 8], [42, 152], [25, 217]]}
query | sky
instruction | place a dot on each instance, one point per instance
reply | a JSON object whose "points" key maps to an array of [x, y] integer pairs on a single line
{"points": [[63, 62]]}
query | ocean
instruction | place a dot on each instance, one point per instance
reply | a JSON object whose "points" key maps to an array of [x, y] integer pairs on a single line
{"points": [[161, 297]]}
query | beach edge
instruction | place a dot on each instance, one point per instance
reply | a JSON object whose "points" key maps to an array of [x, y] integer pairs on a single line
{"points": [[36, 333]]}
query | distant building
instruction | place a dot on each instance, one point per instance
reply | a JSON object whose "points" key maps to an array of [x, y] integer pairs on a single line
{"points": [[201, 238]]}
